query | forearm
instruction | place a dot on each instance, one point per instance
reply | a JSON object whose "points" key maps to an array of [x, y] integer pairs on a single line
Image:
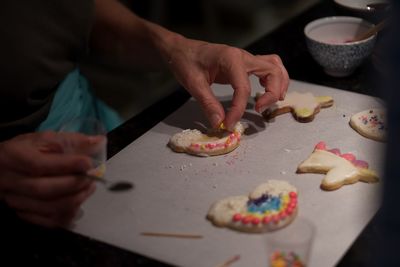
{"points": [[127, 38]]}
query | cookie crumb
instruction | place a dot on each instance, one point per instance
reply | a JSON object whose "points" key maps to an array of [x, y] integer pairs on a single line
{"points": [[344, 115], [283, 172], [215, 164], [182, 167], [171, 166]]}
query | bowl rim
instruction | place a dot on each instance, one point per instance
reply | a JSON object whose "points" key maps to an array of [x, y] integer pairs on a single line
{"points": [[312, 23], [366, 10]]}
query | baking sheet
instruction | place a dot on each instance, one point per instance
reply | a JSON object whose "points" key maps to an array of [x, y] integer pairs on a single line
{"points": [[174, 191]]}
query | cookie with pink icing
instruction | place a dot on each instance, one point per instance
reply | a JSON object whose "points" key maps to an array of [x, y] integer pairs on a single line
{"points": [[194, 142], [370, 123], [340, 169], [303, 106]]}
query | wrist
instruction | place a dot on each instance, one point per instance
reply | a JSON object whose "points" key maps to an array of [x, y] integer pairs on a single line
{"points": [[163, 40]]}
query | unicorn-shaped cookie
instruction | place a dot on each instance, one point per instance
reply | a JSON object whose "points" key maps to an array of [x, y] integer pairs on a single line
{"points": [[340, 169]]}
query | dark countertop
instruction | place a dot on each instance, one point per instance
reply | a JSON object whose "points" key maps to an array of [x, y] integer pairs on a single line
{"points": [[22, 243]]}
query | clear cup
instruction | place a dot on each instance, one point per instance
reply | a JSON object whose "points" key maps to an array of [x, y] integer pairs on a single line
{"points": [[96, 148], [291, 246]]}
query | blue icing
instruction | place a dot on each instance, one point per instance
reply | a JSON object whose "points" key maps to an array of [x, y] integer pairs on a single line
{"points": [[263, 204]]}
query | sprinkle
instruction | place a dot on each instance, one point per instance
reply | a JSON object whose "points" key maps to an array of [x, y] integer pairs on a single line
{"points": [[255, 221], [246, 219], [266, 220], [348, 156], [335, 151], [361, 164], [321, 146], [292, 194], [237, 217]]}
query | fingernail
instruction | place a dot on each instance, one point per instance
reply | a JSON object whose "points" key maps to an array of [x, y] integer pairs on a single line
{"points": [[215, 120]]}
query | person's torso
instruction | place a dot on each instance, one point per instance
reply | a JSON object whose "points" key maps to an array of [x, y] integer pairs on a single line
{"points": [[42, 40]]}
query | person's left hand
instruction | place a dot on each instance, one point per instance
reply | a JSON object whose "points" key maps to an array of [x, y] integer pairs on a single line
{"points": [[197, 65]]}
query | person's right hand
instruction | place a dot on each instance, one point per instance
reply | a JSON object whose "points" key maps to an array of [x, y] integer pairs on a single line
{"points": [[40, 182]]}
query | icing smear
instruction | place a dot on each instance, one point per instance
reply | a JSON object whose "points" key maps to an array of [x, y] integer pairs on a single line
{"points": [[348, 156]]}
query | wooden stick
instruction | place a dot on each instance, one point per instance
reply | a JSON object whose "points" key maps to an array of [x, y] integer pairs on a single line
{"points": [[370, 32], [228, 262], [176, 235]]}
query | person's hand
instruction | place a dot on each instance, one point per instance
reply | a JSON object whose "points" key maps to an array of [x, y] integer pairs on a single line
{"points": [[40, 182], [197, 65]]}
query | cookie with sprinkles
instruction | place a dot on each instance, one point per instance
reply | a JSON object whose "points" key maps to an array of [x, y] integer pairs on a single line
{"points": [[271, 206], [214, 143], [370, 123]]}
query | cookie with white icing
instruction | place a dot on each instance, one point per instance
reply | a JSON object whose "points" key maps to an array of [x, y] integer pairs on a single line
{"points": [[213, 143], [303, 106], [340, 169], [269, 207], [370, 123]]}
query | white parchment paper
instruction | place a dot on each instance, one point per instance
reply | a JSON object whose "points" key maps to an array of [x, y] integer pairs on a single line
{"points": [[174, 191]]}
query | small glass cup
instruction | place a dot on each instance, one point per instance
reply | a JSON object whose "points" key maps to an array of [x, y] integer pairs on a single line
{"points": [[291, 245], [96, 149]]}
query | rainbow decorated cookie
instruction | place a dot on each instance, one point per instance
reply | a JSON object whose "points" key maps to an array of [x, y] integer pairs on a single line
{"points": [[211, 144], [370, 123], [340, 169], [270, 206], [303, 106]]}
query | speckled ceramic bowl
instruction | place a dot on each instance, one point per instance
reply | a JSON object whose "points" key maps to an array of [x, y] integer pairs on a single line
{"points": [[329, 43]]}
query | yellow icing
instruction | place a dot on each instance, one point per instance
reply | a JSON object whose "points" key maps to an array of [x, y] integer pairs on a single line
{"points": [[323, 99], [304, 112]]}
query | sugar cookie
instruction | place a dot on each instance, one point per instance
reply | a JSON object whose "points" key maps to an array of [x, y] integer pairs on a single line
{"points": [[270, 206], [340, 169], [211, 144], [370, 123], [303, 106]]}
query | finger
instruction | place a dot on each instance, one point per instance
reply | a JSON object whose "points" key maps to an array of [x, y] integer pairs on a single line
{"points": [[58, 208], [239, 80], [45, 188], [275, 59], [39, 220], [273, 77], [209, 103], [57, 164]]}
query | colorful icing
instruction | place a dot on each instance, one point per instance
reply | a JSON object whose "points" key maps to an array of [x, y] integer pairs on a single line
{"points": [[232, 139], [282, 259], [348, 156], [373, 120], [268, 208], [304, 112]]}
